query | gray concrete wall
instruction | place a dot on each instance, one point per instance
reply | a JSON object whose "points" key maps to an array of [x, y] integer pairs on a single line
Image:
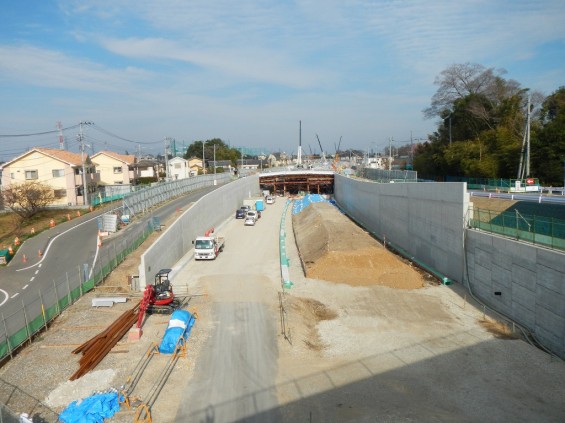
{"points": [[208, 212], [530, 280], [425, 219]]}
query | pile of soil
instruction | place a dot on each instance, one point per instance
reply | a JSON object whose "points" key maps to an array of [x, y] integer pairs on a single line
{"points": [[333, 248]]}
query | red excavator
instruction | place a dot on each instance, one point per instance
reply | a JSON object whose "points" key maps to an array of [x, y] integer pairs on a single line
{"points": [[158, 297]]}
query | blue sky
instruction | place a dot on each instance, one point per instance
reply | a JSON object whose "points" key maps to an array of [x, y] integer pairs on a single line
{"points": [[248, 71]]}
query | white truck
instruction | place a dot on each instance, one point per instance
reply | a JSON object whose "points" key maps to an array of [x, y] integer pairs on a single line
{"points": [[208, 247]]}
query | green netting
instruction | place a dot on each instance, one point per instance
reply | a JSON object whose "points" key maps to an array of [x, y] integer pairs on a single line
{"points": [[51, 312], [18, 338], [542, 230], [64, 300], [36, 324], [4, 350]]}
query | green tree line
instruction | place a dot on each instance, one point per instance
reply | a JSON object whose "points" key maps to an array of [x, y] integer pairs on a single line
{"points": [[222, 150], [481, 125]]}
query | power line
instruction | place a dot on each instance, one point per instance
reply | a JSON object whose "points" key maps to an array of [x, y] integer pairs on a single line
{"points": [[104, 131], [38, 133]]}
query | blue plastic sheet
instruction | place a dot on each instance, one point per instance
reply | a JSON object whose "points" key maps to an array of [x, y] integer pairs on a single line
{"points": [[180, 325], [308, 199], [93, 409]]}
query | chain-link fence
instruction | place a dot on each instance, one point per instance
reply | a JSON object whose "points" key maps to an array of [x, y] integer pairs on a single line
{"points": [[39, 308], [541, 230], [382, 175], [496, 184], [14, 399], [141, 201]]}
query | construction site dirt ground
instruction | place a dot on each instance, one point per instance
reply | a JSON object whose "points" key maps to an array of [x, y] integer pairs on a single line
{"points": [[368, 337]]}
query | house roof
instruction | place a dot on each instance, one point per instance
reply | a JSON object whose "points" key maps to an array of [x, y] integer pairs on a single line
{"points": [[178, 159], [126, 158], [73, 159]]}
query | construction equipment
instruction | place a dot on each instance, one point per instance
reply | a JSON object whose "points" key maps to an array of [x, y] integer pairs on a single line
{"points": [[208, 247], [158, 297]]}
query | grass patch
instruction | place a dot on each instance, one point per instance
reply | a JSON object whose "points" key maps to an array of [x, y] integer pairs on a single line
{"points": [[499, 329]]}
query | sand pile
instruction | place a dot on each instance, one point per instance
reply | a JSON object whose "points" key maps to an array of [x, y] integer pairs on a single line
{"points": [[335, 249]]}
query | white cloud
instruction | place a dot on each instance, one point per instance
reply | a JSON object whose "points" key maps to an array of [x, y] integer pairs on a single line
{"points": [[53, 69]]}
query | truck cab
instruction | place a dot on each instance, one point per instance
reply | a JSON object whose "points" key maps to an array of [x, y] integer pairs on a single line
{"points": [[208, 247]]}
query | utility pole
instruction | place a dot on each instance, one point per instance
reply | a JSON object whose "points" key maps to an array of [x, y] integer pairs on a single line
{"points": [[83, 159], [450, 128], [524, 166], [166, 160], [203, 160], [390, 154]]}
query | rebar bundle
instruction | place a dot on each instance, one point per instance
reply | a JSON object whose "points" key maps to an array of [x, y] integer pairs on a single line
{"points": [[95, 349]]}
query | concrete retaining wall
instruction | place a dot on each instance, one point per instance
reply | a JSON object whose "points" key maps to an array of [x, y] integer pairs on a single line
{"points": [[427, 220], [210, 211], [530, 280]]}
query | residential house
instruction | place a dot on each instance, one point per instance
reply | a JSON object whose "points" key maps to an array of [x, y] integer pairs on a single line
{"points": [[250, 164], [61, 169], [225, 165], [178, 168], [114, 168], [195, 165], [148, 169]]}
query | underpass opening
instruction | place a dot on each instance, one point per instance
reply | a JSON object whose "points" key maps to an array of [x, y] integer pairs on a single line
{"points": [[298, 182]]}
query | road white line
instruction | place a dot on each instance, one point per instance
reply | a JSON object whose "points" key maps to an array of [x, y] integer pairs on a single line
{"points": [[51, 242], [31, 280], [25, 286], [37, 271], [6, 295], [15, 295]]}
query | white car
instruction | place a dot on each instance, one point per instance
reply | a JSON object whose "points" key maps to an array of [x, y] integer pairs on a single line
{"points": [[253, 214], [270, 200], [249, 221]]}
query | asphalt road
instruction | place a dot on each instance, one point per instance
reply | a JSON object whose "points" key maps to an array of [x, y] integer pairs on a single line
{"points": [[69, 248], [235, 376]]}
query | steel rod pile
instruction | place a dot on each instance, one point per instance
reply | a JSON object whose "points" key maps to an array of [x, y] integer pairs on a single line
{"points": [[95, 349]]}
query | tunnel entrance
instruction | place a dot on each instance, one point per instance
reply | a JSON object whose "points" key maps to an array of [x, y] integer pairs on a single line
{"points": [[296, 182]]}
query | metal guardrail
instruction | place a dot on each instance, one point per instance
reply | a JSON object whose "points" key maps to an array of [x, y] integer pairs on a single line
{"points": [[540, 230]]}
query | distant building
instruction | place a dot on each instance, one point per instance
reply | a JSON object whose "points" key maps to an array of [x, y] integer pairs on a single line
{"points": [[195, 165], [148, 169], [60, 169], [114, 168], [178, 168]]}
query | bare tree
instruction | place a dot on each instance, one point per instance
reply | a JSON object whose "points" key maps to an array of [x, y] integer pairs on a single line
{"points": [[459, 81], [28, 198]]}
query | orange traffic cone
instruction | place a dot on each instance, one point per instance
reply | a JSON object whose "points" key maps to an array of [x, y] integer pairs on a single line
{"points": [[32, 231], [91, 208], [51, 223], [68, 216], [10, 251], [39, 253], [24, 259], [99, 242], [78, 213], [17, 241]]}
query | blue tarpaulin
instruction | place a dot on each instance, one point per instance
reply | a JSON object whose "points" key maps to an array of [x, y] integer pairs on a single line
{"points": [[93, 409], [308, 199], [180, 324]]}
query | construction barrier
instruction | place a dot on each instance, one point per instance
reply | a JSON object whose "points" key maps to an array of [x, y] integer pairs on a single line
{"points": [[42, 306]]}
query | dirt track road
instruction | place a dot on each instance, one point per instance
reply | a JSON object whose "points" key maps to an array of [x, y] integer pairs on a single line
{"points": [[235, 375], [359, 353]]}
